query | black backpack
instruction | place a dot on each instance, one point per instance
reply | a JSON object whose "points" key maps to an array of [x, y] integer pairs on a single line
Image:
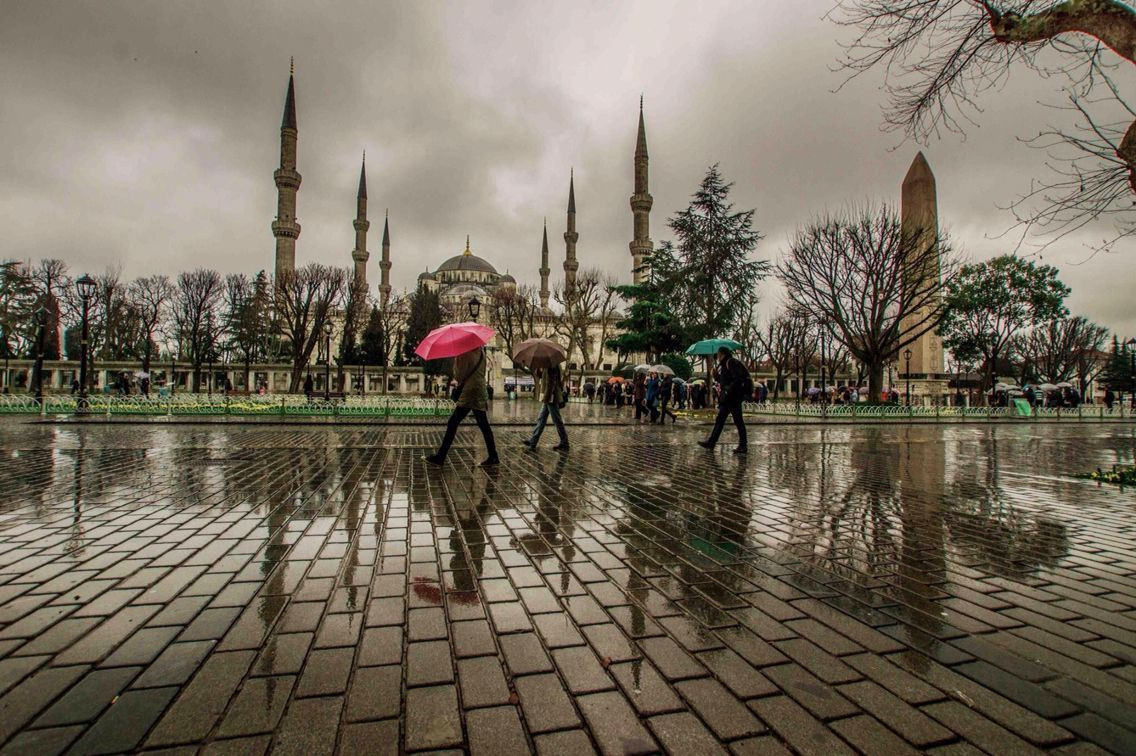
{"points": [[745, 380]]}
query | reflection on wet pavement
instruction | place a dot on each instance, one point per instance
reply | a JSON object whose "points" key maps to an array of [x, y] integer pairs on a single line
{"points": [[874, 589]]}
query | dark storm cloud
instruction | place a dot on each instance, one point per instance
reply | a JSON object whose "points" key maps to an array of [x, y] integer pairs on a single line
{"points": [[144, 135]]}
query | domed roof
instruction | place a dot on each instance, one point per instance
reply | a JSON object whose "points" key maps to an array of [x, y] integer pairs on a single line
{"points": [[425, 276], [467, 261], [508, 279], [466, 291]]}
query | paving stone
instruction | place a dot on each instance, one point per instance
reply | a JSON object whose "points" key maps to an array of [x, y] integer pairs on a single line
{"points": [[122, 727], [142, 648], [567, 743], [821, 699], [611, 643], [196, 710], [87, 699], [375, 693], [47, 742], [1104, 733], [977, 729], [339, 630], [645, 688], [915, 726], [429, 663], [683, 733], [255, 745], [258, 707], [557, 630], [380, 645], [309, 727], [524, 654], [432, 717], [380, 738], [796, 727], [671, 660], [614, 725], [869, 736], [283, 654], [23, 702], [545, 703], [581, 670], [495, 731], [482, 682], [721, 711]]}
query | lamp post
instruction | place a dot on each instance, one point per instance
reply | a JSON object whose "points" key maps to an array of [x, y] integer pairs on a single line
{"points": [[41, 328], [907, 373], [327, 362], [86, 287], [474, 307], [823, 362]]}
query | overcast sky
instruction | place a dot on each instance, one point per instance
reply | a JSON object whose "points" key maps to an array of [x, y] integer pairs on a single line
{"points": [[143, 135]]}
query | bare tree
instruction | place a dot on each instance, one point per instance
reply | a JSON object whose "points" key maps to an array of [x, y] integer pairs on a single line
{"points": [[304, 300], [863, 276], [195, 318], [51, 280], [940, 55], [588, 305], [356, 308], [513, 315], [777, 342], [151, 297], [1053, 352]]}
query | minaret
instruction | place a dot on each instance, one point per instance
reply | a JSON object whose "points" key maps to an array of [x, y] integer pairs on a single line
{"points": [[360, 254], [544, 270], [641, 202], [919, 215], [570, 237], [385, 265], [285, 228]]}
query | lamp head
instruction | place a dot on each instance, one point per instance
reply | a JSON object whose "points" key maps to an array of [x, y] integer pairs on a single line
{"points": [[474, 308], [86, 287], [907, 354], [327, 328]]}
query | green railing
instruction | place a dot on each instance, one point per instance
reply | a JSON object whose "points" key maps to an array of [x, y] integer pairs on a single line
{"points": [[900, 412], [242, 406]]}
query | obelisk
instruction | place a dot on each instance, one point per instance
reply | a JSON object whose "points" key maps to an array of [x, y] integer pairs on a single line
{"points": [[919, 215]]}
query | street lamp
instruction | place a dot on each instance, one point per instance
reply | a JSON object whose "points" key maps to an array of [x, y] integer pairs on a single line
{"points": [[85, 285], [823, 363], [41, 328], [907, 373], [474, 307], [327, 362]]}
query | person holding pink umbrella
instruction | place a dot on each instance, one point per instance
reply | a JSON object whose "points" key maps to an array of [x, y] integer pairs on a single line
{"points": [[466, 343]]}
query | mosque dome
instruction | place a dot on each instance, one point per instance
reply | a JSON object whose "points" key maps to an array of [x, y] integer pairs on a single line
{"points": [[508, 279], [467, 261], [425, 276], [467, 291]]}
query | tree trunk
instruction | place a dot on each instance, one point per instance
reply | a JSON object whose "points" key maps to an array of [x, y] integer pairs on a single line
{"points": [[875, 380]]}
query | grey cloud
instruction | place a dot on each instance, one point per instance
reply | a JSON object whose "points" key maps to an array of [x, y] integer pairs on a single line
{"points": [[145, 134]]}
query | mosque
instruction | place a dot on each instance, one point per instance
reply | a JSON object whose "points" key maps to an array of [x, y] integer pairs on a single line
{"points": [[464, 276]]}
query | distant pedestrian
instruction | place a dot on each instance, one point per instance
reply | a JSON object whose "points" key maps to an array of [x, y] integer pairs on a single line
{"points": [[309, 387], [666, 394], [640, 395], [736, 384], [1109, 398], [471, 395], [551, 398], [652, 396], [590, 392]]}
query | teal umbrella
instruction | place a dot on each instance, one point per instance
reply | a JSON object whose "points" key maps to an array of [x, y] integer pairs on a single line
{"points": [[708, 347]]}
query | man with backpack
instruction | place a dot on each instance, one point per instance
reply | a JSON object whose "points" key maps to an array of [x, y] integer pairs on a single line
{"points": [[736, 385]]}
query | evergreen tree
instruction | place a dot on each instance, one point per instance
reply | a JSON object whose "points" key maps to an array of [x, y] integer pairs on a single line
{"points": [[714, 268], [1118, 374], [425, 314], [651, 327], [372, 348]]}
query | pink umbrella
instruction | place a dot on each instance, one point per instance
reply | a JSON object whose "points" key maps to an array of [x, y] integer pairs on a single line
{"points": [[452, 340]]}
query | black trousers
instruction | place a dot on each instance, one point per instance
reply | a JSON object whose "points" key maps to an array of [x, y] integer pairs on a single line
{"points": [[725, 410], [456, 417]]}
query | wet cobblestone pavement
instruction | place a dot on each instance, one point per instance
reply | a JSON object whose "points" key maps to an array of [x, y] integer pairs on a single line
{"points": [[311, 590]]}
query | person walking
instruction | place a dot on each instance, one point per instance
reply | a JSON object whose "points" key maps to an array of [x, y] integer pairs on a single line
{"points": [[551, 395], [309, 387], [652, 397], [470, 395], [639, 395], [666, 394], [590, 392], [736, 385]]}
